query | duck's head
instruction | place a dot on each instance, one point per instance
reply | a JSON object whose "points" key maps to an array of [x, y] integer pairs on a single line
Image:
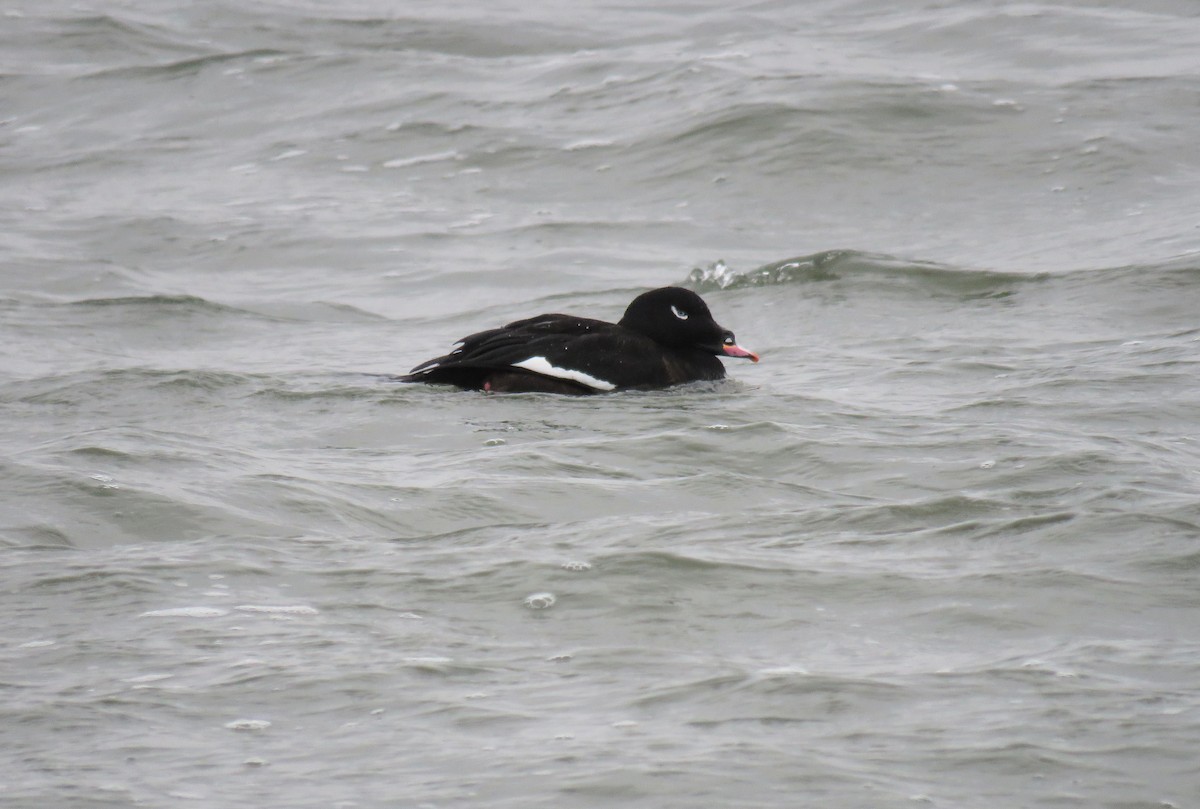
{"points": [[679, 318]]}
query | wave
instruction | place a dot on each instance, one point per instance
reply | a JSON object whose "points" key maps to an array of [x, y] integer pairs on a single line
{"points": [[185, 301], [832, 265], [89, 386], [932, 277], [192, 65], [269, 311]]}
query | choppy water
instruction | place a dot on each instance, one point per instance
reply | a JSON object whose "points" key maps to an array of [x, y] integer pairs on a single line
{"points": [[939, 548]]}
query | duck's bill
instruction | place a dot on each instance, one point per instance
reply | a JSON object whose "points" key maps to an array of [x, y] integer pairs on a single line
{"points": [[738, 351]]}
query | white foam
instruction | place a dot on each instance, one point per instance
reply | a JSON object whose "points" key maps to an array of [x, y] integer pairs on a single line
{"points": [[540, 365], [579, 145], [186, 612], [403, 162], [148, 678], [288, 609]]}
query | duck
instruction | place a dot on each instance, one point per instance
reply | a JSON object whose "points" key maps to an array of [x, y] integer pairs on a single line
{"points": [[666, 337]]}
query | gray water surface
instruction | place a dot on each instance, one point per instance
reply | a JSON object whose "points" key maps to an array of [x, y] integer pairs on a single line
{"points": [[939, 548]]}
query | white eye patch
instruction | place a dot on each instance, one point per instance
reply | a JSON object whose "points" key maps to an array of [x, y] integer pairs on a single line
{"points": [[679, 313]]}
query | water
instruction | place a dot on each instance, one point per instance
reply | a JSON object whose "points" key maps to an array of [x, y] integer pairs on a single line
{"points": [[939, 548]]}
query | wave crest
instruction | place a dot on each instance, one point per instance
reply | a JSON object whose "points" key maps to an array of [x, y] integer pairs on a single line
{"points": [[832, 265]]}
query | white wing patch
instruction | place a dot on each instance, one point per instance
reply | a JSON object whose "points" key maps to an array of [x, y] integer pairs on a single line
{"points": [[540, 365]]}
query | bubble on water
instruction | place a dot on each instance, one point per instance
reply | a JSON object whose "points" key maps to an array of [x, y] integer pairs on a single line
{"points": [[186, 612], [495, 442], [105, 481], [540, 601], [248, 724], [717, 427], [562, 657], [576, 566], [987, 464]]}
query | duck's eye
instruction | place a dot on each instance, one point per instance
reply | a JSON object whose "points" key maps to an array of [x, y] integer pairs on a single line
{"points": [[679, 313]]}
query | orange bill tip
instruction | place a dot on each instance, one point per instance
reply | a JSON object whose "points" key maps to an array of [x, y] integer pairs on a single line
{"points": [[738, 351]]}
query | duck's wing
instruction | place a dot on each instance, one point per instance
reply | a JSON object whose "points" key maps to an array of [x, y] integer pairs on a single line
{"points": [[556, 346]]}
